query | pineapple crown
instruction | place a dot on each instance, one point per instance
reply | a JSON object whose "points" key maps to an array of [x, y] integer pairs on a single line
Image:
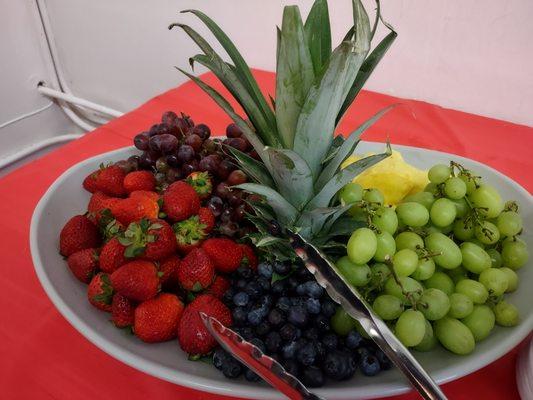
{"points": [[300, 170]]}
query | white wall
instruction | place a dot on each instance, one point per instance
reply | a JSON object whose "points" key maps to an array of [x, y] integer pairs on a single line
{"points": [[470, 55]]}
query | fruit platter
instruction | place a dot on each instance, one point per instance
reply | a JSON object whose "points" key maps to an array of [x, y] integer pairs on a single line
{"points": [[133, 244]]}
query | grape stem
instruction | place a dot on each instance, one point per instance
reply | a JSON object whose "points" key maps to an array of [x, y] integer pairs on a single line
{"points": [[388, 262]]}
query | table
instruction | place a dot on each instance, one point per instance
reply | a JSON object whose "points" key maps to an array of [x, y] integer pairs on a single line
{"points": [[43, 357]]}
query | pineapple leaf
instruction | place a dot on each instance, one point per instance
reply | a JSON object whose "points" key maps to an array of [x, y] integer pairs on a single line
{"points": [[253, 168], [344, 176], [285, 212], [361, 25], [292, 176], [231, 81], [314, 132], [312, 222], [318, 33], [294, 74], [347, 148], [344, 225], [241, 67]]}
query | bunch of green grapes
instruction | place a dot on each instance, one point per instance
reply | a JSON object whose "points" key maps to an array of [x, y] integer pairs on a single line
{"points": [[436, 268]]}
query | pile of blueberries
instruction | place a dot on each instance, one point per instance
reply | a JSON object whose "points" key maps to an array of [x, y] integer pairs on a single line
{"points": [[283, 311]]}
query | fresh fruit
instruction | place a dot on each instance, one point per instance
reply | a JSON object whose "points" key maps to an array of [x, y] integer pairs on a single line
{"points": [[249, 257], [137, 280], [100, 292], [180, 201], [454, 336], [190, 233], [506, 314], [207, 219], [98, 203], [83, 264], [410, 328], [139, 180], [362, 246], [109, 180], [196, 271], [193, 336], [225, 253], [219, 286], [152, 239], [136, 207], [122, 311], [480, 322], [168, 271], [201, 183], [79, 233], [157, 319], [112, 256]]}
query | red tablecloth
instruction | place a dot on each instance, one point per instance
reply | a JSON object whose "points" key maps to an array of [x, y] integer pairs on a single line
{"points": [[42, 356]]}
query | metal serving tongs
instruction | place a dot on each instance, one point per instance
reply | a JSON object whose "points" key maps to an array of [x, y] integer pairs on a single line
{"points": [[327, 275]]}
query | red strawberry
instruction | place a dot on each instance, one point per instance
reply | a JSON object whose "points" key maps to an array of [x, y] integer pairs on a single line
{"points": [[207, 218], [83, 264], [112, 256], [201, 183], [139, 180], [100, 292], [89, 183], [136, 280], [168, 269], [248, 256], [79, 233], [196, 271], [110, 180], [98, 203], [135, 208], [193, 336], [139, 194], [225, 253], [122, 311], [157, 319], [189, 234], [180, 201], [153, 239], [219, 286]]}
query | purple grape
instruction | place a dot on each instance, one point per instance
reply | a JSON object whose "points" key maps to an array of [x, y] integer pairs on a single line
{"points": [[184, 124], [161, 164], [154, 130], [165, 143], [226, 215], [189, 167], [134, 160], [216, 205], [169, 117], [237, 177], [172, 160], [210, 163], [141, 141], [229, 228], [174, 174], [209, 146], [194, 141], [224, 169], [125, 165], [233, 131], [163, 129], [239, 213], [185, 153], [237, 143], [202, 130], [222, 190], [235, 199], [146, 161]]}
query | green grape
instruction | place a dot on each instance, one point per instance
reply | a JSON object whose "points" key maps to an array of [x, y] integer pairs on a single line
{"points": [[355, 274], [412, 214], [480, 322], [461, 207], [351, 193], [405, 262], [454, 335], [424, 270], [424, 198], [506, 314], [388, 307], [362, 246], [432, 188], [460, 305], [449, 253], [410, 328], [455, 188], [357, 211], [429, 341], [475, 259], [487, 233], [443, 212], [385, 219], [380, 273], [463, 230], [341, 322], [386, 246], [495, 280], [495, 258], [457, 274], [509, 223], [373, 196], [434, 304], [469, 180], [487, 200], [439, 173], [512, 279], [440, 280], [414, 288], [408, 240], [473, 289], [514, 254], [476, 242]]}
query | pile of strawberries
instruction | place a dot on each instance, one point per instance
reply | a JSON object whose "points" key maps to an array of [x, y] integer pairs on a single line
{"points": [[153, 259]]}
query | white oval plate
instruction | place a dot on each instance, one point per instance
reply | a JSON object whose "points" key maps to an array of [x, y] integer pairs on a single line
{"points": [[66, 198]]}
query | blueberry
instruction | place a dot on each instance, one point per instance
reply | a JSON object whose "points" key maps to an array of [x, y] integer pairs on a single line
{"points": [[291, 366], [272, 341], [328, 308], [370, 365], [239, 315], [301, 289], [311, 333], [306, 355], [354, 340], [246, 332], [288, 332], [282, 268], [228, 295], [298, 301], [231, 368], [321, 350], [265, 270], [245, 272], [220, 356], [289, 349], [253, 289], [313, 289], [339, 365], [259, 344], [284, 304], [312, 377], [251, 376], [298, 316], [322, 323], [266, 300], [279, 287], [276, 317], [241, 284], [263, 328], [241, 299], [330, 341], [255, 316], [313, 306], [264, 283], [303, 274], [384, 361], [292, 283], [362, 352]]}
